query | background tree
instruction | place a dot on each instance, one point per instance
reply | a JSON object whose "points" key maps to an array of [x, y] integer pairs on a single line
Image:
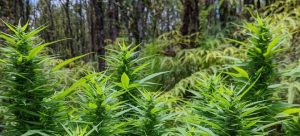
{"points": [[91, 27], [98, 32]]}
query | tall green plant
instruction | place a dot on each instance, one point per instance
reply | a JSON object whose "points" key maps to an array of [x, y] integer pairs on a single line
{"points": [[101, 107], [95, 108], [124, 64], [151, 116], [26, 83], [221, 110], [263, 46], [127, 70]]}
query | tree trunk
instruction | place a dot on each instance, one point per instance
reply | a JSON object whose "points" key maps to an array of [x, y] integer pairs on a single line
{"points": [[113, 19], [68, 28], [12, 11], [81, 29], [139, 21], [190, 20], [250, 2], [98, 32], [28, 10], [186, 17], [224, 13], [5, 13], [51, 28]]}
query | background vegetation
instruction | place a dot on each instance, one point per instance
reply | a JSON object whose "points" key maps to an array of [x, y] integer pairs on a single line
{"points": [[149, 67]]}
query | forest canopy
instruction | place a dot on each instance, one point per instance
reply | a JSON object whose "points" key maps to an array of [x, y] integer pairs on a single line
{"points": [[149, 67]]}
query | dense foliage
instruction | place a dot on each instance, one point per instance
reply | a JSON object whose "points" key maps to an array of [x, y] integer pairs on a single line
{"points": [[228, 80]]}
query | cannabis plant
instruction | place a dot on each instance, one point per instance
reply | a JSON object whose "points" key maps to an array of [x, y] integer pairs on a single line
{"points": [[151, 116], [25, 83], [77, 130], [123, 62], [221, 110], [190, 83], [191, 130], [126, 70], [124, 59], [264, 44], [290, 119], [102, 108], [95, 104]]}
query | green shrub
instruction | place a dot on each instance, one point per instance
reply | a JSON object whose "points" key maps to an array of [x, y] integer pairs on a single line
{"points": [[99, 106], [26, 83], [127, 69], [151, 116], [218, 109], [123, 62], [264, 44]]}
